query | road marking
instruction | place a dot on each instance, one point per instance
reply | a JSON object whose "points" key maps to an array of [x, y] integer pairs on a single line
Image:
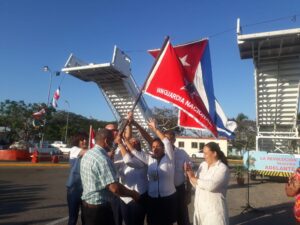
{"points": [[58, 221], [254, 219]]}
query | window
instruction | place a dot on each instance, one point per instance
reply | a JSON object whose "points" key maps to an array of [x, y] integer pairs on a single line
{"points": [[180, 144], [194, 145], [201, 145]]}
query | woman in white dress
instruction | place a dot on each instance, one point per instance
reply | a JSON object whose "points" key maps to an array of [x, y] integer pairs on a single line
{"points": [[210, 182]]}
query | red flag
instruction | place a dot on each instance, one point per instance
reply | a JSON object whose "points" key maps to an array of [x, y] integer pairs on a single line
{"points": [[185, 121], [91, 138], [170, 82], [189, 55], [56, 97], [195, 59]]}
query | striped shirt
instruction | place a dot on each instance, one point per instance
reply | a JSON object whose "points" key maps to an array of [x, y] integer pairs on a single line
{"points": [[97, 171]]}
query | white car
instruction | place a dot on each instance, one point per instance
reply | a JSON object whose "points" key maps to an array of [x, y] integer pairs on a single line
{"points": [[58, 144], [198, 154]]}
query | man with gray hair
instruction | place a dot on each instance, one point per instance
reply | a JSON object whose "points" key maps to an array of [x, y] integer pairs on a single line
{"points": [[100, 183]]}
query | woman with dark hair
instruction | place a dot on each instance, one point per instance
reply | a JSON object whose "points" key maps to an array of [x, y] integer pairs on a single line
{"points": [[74, 186], [210, 181], [161, 204]]}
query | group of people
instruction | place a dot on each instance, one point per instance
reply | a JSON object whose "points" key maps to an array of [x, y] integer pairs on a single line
{"points": [[118, 182]]}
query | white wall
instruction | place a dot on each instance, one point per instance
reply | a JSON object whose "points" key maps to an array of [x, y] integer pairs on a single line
{"points": [[188, 144]]}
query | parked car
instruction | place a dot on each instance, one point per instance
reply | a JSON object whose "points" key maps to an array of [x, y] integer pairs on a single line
{"points": [[58, 144], [198, 154], [20, 145]]}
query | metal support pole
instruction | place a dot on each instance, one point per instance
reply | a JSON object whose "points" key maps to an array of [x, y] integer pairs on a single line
{"points": [[47, 69], [66, 135]]}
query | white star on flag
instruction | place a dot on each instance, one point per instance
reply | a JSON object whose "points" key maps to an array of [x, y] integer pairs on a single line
{"points": [[183, 60]]}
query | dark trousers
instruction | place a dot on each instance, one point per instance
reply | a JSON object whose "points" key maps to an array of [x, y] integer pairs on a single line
{"points": [[116, 208], [182, 209], [74, 203], [162, 210], [98, 214], [134, 213]]}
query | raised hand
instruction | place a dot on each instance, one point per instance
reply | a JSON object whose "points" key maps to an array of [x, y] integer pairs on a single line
{"points": [[130, 117], [187, 167], [188, 170], [152, 124], [118, 139]]}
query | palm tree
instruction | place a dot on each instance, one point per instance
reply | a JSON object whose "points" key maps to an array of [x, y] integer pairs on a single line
{"points": [[245, 132], [240, 117]]}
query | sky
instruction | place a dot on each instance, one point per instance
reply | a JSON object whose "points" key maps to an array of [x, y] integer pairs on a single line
{"points": [[38, 33]]}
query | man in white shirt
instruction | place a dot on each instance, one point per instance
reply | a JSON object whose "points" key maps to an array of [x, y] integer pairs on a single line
{"points": [[183, 187], [133, 175]]}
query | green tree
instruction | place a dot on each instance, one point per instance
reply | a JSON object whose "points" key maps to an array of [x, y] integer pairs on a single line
{"points": [[245, 132], [56, 126], [167, 118], [17, 116]]}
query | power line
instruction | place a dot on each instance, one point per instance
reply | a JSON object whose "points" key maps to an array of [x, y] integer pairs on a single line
{"points": [[292, 18]]}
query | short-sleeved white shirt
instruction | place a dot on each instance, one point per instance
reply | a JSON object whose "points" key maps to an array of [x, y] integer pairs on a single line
{"points": [[132, 172], [180, 158], [160, 175], [74, 152]]}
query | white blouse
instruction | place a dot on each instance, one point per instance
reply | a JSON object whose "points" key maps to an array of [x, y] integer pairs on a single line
{"points": [[74, 152], [210, 205], [160, 175], [180, 158], [132, 172]]}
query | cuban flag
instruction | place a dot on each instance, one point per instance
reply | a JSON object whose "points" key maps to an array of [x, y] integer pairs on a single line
{"points": [[168, 81], [195, 59], [56, 97]]}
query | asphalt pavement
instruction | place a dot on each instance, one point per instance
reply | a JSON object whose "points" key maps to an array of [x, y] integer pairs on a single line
{"points": [[36, 194]]}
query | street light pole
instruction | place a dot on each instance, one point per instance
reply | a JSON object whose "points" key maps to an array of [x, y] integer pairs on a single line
{"points": [[47, 69], [66, 135]]}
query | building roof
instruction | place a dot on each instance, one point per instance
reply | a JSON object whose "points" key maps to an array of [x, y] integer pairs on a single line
{"points": [[276, 57], [274, 44], [201, 138]]}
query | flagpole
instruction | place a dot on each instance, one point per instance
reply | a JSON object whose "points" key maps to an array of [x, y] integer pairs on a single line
{"points": [[90, 136], [154, 64], [144, 85]]}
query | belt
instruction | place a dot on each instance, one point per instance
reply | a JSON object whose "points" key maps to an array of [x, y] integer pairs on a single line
{"points": [[92, 206]]}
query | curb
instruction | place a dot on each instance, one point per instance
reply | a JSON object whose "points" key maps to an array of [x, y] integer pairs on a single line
{"points": [[15, 164]]}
